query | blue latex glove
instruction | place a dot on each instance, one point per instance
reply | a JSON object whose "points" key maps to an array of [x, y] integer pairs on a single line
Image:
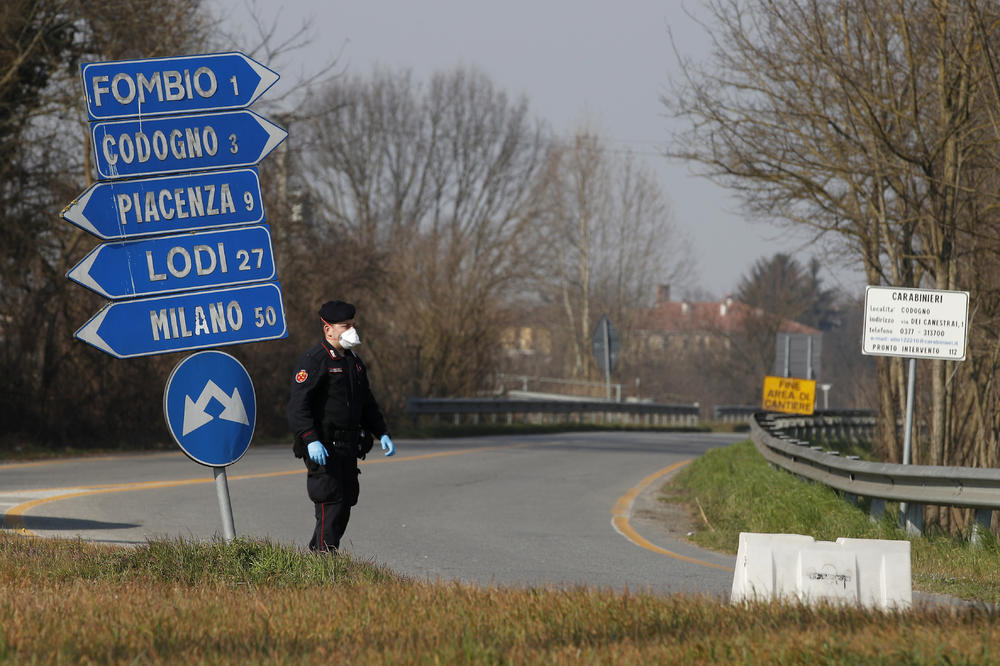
{"points": [[387, 445], [317, 452]]}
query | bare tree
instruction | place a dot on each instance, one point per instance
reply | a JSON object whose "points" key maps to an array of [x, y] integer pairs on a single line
{"points": [[436, 183], [857, 118], [61, 390], [609, 239]]}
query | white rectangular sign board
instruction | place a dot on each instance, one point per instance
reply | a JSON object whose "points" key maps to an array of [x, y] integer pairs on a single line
{"points": [[915, 323]]}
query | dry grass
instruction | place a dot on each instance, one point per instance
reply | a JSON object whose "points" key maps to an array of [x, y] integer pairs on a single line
{"points": [[254, 602]]}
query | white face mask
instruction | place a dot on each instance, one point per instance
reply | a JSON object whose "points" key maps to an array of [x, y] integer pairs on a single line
{"points": [[349, 338]]}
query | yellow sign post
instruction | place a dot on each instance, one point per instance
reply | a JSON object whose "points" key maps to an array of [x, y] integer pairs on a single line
{"points": [[790, 395]]}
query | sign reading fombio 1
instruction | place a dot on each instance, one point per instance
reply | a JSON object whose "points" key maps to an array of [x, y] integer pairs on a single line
{"points": [[184, 84]]}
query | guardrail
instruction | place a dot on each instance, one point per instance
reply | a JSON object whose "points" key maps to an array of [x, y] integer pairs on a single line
{"points": [[790, 442], [734, 413], [474, 410], [598, 388]]}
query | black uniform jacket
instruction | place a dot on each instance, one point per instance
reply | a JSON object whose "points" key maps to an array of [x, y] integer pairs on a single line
{"points": [[331, 398]]}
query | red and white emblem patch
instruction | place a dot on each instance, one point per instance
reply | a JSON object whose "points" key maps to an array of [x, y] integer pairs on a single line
{"points": [[301, 376]]}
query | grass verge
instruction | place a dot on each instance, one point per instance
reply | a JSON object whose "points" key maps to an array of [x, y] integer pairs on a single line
{"points": [[255, 602], [733, 490]]}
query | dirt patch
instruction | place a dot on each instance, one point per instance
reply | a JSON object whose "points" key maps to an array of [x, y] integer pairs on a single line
{"points": [[666, 509]]}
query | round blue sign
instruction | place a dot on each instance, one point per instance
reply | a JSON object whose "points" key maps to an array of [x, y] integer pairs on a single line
{"points": [[210, 408]]}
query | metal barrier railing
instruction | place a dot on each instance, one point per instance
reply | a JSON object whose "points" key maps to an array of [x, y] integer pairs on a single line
{"points": [[474, 410], [789, 442], [734, 413]]}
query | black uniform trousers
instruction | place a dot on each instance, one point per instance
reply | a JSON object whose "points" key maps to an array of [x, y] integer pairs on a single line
{"points": [[334, 489]]}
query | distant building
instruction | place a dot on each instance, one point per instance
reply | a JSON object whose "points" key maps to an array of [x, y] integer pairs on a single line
{"points": [[526, 342], [701, 325]]}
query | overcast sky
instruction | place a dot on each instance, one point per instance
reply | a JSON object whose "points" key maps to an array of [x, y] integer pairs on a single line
{"points": [[577, 61]]}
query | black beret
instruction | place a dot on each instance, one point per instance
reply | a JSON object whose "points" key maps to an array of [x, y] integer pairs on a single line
{"points": [[334, 311]]}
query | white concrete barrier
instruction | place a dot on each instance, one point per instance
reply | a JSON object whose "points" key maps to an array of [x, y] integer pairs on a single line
{"points": [[874, 573]]}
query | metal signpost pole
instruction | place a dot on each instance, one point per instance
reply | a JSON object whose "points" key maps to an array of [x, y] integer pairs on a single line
{"points": [[606, 344], [788, 356], [189, 264], [207, 436], [607, 359], [225, 506], [914, 323], [908, 424], [809, 358], [908, 434]]}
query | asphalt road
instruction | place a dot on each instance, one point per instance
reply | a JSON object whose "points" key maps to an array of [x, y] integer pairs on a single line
{"points": [[540, 510]]}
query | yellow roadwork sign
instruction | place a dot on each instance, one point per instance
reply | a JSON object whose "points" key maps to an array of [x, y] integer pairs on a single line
{"points": [[790, 395]]}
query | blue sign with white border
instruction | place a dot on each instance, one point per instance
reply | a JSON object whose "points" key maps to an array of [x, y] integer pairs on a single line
{"points": [[168, 204], [172, 144], [186, 321], [179, 84], [177, 263], [210, 408]]}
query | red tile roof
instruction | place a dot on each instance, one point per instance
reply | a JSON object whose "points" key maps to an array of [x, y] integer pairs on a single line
{"points": [[726, 315]]}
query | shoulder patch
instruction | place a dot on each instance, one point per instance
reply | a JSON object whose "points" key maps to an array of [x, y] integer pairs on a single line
{"points": [[301, 376]]}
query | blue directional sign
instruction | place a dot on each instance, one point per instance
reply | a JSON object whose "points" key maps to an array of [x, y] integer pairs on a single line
{"points": [[210, 408], [168, 204], [186, 321], [184, 84], [177, 263], [171, 144]]}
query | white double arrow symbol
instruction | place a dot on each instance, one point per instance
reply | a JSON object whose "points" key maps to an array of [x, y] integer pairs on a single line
{"points": [[195, 415]]}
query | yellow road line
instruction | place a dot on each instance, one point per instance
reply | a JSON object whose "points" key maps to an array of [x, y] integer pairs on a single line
{"points": [[14, 516], [84, 459], [623, 507], [13, 519]]}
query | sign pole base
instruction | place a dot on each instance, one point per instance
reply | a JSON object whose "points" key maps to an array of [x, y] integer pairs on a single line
{"points": [[908, 430], [225, 506]]}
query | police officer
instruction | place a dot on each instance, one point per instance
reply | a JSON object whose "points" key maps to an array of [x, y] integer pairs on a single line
{"points": [[334, 415]]}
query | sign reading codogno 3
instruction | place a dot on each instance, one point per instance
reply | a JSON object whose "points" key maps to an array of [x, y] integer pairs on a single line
{"points": [[915, 323], [173, 144]]}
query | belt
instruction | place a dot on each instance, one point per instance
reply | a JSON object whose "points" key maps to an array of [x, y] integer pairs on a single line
{"points": [[346, 436]]}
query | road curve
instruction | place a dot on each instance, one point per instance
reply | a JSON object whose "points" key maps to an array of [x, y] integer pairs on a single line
{"points": [[540, 510]]}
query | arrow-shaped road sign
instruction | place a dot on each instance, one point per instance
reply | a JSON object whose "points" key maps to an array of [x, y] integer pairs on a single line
{"points": [[192, 320], [172, 144], [183, 84], [181, 262], [149, 206], [195, 415]]}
